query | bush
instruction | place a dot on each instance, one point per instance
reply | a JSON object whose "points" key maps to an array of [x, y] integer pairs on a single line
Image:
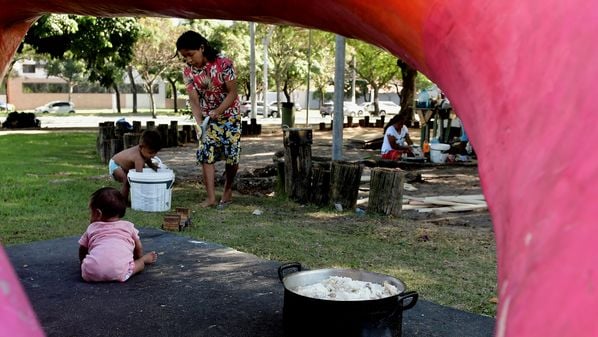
{"points": [[19, 120]]}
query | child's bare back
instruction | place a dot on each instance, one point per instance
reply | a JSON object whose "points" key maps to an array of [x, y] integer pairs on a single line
{"points": [[129, 159], [135, 157]]}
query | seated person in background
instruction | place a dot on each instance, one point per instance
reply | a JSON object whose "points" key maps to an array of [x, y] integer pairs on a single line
{"points": [[110, 248], [135, 157], [396, 139]]}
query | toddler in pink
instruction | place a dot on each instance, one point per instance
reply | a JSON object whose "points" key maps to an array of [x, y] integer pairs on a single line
{"points": [[110, 249]]}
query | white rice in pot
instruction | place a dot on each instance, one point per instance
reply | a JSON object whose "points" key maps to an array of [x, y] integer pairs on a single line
{"points": [[340, 288]]}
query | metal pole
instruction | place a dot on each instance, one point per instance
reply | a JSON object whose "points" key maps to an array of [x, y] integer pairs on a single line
{"points": [[354, 62], [266, 43], [308, 78], [252, 78], [339, 80]]}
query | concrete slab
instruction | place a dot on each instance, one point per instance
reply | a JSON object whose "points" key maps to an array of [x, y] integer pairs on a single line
{"points": [[195, 289]]}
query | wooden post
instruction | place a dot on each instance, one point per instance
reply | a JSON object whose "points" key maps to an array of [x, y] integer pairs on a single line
{"points": [[386, 191], [245, 129], [366, 121], [150, 125], [116, 145], [320, 184], [255, 128], [344, 183], [130, 139], [173, 132], [136, 127], [163, 130], [297, 161], [187, 133], [105, 134]]}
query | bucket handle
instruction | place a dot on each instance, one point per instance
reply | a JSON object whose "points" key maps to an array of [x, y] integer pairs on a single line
{"points": [[410, 294], [286, 266], [169, 183]]}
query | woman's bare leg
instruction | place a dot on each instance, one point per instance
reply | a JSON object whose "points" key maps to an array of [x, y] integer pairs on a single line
{"points": [[231, 173], [208, 180]]}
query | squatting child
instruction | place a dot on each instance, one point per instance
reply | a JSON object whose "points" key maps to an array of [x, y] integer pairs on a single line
{"points": [[135, 157], [110, 248]]}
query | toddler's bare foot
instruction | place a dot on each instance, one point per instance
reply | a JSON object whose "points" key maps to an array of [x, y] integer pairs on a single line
{"points": [[150, 257]]}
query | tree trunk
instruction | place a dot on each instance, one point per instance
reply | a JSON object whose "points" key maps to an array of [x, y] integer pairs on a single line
{"points": [[148, 87], [174, 94], [297, 161], [386, 191], [345, 178], [117, 92], [285, 91], [320, 184], [409, 75], [133, 88]]}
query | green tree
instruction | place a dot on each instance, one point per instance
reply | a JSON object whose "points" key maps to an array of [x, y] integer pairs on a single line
{"points": [[322, 64], [375, 66], [69, 69], [287, 53], [154, 52], [104, 44], [235, 44]]}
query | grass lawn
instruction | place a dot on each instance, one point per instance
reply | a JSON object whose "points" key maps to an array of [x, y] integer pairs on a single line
{"points": [[47, 179]]}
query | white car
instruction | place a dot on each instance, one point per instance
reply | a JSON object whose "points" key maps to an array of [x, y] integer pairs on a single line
{"points": [[352, 109], [57, 106], [384, 107], [6, 107]]}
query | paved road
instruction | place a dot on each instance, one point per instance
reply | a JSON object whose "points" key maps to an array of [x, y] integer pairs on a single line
{"points": [[50, 121]]}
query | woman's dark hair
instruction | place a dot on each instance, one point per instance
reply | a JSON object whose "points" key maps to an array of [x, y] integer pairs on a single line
{"points": [[151, 139], [193, 41], [394, 120], [110, 201]]}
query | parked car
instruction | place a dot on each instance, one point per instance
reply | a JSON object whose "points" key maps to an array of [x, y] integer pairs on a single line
{"points": [[384, 107], [327, 108], [245, 108], [56, 106], [6, 107], [272, 112], [352, 109]]}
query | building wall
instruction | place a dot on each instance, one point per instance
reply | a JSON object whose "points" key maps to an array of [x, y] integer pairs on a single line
{"points": [[29, 101], [101, 101]]}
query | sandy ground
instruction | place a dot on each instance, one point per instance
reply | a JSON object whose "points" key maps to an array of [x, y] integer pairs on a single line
{"points": [[258, 152]]}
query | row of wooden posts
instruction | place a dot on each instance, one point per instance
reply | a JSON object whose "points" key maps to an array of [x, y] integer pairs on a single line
{"points": [[335, 182], [301, 178], [113, 138]]}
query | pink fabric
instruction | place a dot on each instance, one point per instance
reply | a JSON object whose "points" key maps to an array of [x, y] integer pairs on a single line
{"points": [[110, 250], [17, 319]]}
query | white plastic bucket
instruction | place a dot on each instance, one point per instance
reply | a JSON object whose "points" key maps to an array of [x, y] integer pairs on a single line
{"points": [[438, 152], [151, 191]]}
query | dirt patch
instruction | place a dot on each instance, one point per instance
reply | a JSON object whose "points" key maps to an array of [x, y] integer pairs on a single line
{"points": [[258, 153]]}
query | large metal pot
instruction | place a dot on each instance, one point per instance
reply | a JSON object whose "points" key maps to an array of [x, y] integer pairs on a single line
{"points": [[306, 316]]}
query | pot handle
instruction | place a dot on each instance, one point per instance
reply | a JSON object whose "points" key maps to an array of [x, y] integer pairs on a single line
{"points": [[286, 266], [410, 294]]}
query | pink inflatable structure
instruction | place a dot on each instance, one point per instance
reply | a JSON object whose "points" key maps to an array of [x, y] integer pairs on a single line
{"points": [[521, 74]]}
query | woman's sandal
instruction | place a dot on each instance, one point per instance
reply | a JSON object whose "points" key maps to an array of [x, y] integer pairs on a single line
{"points": [[223, 204]]}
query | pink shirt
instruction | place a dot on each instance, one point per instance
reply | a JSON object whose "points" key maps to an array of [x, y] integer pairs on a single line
{"points": [[210, 83], [110, 250]]}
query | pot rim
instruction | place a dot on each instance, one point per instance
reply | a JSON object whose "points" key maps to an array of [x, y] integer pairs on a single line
{"points": [[318, 275]]}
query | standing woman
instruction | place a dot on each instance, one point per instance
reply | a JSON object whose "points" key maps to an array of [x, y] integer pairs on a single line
{"points": [[212, 86]]}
